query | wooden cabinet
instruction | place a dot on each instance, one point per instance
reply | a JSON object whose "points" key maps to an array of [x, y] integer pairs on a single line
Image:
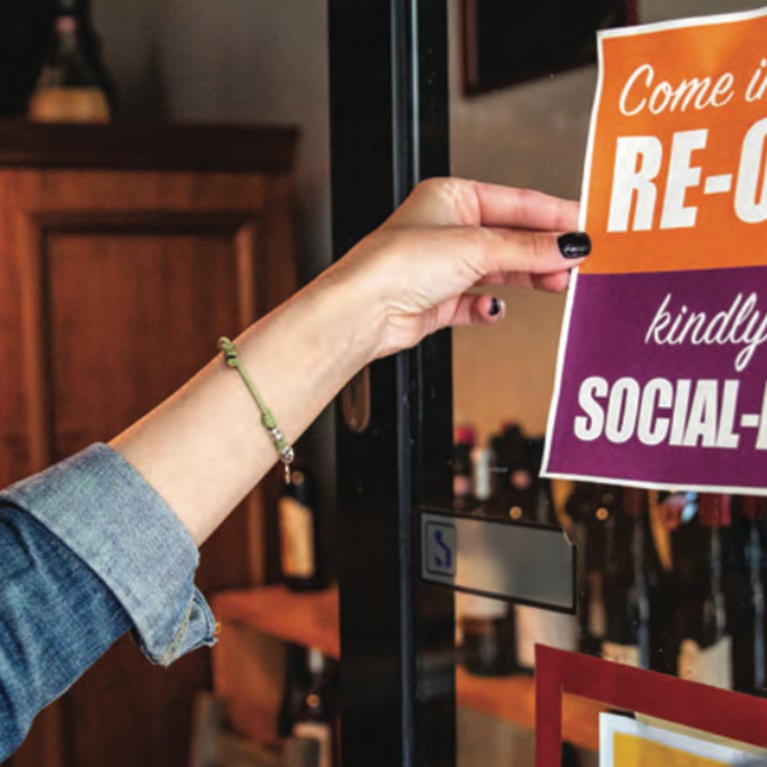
{"points": [[125, 252]]}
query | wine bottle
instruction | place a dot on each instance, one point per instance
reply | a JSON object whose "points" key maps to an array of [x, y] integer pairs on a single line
{"points": [[590, 506], [299, 524], [472, 496], [705, 652], [516, 497], [67, 89], [748, 657], [480, 499], [625, 587], [463, 443], [317, 716], [90, 45], [665, 512], [544, 510], [486, 625], [295, 682], [536, 625]]}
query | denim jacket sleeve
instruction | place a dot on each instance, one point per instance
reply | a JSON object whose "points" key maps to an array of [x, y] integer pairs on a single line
{"points": [[88, 551]]}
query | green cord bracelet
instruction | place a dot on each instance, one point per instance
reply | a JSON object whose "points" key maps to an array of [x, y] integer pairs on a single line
{"points": [[232, 359]]}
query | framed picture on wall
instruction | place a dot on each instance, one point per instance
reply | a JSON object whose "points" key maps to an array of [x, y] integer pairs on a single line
{"points": [[510, 41]]}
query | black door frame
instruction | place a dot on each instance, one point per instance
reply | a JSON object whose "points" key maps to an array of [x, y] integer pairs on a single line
{"points": [[389, 129]]}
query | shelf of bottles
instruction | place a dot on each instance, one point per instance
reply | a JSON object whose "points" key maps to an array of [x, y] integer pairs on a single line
{"points": [[672, 582]]}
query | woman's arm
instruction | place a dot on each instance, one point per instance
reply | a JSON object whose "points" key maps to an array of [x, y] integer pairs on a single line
{"points": [[89, 548], [204, 448]]}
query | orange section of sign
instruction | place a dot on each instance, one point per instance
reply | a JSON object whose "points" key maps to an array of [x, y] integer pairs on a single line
{"points": [[676, 175]]}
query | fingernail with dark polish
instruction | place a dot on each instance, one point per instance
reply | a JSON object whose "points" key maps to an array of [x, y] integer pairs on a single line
{"points": [[495, 307], [574, 244]]}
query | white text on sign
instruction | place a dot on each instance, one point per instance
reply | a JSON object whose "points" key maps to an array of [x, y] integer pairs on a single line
{"points": [[681, 413], [635, 187]]}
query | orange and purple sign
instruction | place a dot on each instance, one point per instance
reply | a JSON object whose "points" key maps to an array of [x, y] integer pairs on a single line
{"points": [[662, 372]]}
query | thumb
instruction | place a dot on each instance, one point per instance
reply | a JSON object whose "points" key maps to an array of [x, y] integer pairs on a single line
{"points": [[471, 309], [487, 309]]}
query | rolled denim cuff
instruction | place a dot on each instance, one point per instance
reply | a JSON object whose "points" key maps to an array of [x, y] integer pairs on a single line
{"points": [[107, 514]]}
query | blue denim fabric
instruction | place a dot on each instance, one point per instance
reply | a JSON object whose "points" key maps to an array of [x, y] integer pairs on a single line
{"points": [[88, 551]]}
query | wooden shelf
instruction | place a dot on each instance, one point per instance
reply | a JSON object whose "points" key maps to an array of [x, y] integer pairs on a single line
{"points": [[512, 698], [312, 619]]}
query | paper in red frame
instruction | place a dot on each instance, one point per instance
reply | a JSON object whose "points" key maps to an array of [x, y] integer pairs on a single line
{"points": [[729, 714]]}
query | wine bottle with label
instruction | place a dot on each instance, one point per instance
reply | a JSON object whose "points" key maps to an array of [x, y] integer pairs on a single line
{"points": [[299, 524], [67, 88], [705, 652], [536, 625], [487, 629]]}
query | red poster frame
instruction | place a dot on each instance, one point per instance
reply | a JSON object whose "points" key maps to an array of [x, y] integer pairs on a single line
{"points": [[720, 712]]}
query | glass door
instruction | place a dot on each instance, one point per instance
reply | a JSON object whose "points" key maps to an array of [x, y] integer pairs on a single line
{"points": [[665, 582], [444, 443]]}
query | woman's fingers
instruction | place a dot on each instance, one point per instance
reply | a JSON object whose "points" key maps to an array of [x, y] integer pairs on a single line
{"points": [[451, 201], [508, 251], [524, 208], [469, 309], [551, 283], [554, 282]]}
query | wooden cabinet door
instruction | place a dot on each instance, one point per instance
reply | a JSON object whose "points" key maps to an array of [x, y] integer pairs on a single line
{"points": [[118, 286]]}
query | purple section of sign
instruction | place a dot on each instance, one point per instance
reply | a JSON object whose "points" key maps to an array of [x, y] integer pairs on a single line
{"points": [[622, 327]]}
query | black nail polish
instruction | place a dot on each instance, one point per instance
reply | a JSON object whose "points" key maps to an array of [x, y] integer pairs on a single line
{"points": [[495, 307], [574, 244]]}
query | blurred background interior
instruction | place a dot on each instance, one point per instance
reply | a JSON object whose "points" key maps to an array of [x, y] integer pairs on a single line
{"points": [[165, 174]]}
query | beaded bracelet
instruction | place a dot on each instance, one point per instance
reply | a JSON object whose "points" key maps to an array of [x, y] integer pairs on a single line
{"points": [[286, 452]]}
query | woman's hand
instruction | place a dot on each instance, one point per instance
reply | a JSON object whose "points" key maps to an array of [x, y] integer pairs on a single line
{"points": [[449, 236]]}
